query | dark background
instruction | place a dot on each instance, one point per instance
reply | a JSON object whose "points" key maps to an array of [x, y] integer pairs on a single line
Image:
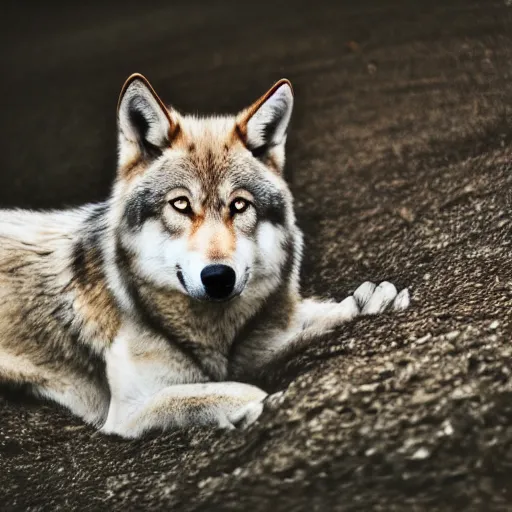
{"points": [[63, 65], [399, 158]]}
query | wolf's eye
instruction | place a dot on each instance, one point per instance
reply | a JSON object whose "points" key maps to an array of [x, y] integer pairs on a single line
{"points": [[238, 205], [182, 205]]}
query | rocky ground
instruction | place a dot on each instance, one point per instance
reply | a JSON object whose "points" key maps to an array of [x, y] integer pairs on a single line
{"points": [[400, 159]]}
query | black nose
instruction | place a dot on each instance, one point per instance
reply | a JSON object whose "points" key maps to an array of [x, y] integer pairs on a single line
{"points": [[218, 280]]}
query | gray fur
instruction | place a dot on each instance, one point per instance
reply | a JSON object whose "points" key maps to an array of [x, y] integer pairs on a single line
{"points": [[102, 308]]}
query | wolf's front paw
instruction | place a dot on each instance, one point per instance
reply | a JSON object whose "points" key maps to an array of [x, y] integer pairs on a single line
{"points": [[349, 309], [246, 415], [373, 299]]}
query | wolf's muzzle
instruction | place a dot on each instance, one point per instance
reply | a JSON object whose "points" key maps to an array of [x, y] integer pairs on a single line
{"points": [[218, 280]]}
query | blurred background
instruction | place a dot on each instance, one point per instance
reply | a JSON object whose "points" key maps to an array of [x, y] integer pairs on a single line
{"points": [[63, 65]]}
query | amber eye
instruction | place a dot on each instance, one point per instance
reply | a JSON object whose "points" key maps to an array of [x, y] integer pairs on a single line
{"points": [[238, 205], [182, 205]]}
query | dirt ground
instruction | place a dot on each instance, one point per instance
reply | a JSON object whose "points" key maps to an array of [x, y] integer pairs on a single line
{"points": [[400, 159]]}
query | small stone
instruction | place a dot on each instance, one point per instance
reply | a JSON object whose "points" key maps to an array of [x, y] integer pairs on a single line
{"points": [[203, 483], [369, 388], [420, 454], [494, 325], [420, 397], [406, 214], [447, 428], [462, 393], [451, 335], [423, 339]]}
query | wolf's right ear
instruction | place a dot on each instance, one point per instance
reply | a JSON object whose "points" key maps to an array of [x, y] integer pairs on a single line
{"points": [[146, 126]]}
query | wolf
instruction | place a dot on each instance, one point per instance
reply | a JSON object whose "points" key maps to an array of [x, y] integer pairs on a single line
{"points": [[160, 306]]}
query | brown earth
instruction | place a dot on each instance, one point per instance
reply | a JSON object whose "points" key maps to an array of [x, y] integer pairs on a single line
{"points": [[400, 159]]}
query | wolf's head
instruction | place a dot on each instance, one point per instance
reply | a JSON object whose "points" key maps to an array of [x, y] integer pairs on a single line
{"points": [[200, 203]]}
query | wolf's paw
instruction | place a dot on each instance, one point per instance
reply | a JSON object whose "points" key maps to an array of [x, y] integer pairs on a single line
{"points": [[246, 415], [274, 401], [349, 308], [372, 299]]}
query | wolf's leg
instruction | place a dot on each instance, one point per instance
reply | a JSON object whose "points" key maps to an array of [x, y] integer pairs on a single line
{"points": [[312, 318], [368, 299], [154, 385], [219, 404], [84, 398], [83, 395]]}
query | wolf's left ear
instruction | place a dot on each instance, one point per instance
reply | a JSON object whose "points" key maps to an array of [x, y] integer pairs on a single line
{"points": [[264, 124], [145, 124]]}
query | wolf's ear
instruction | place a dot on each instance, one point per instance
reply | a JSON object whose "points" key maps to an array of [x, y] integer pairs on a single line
{"points": [[145, 124], [263, 125]]}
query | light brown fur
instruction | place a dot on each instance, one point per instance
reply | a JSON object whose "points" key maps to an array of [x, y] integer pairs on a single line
{"points": [[107, 310]]}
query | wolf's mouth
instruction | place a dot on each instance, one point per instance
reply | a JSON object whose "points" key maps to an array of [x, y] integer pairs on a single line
{"points": [[179, 274]]}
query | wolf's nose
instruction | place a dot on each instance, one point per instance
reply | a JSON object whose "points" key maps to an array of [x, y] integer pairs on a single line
{"points": [[218, 280]]}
